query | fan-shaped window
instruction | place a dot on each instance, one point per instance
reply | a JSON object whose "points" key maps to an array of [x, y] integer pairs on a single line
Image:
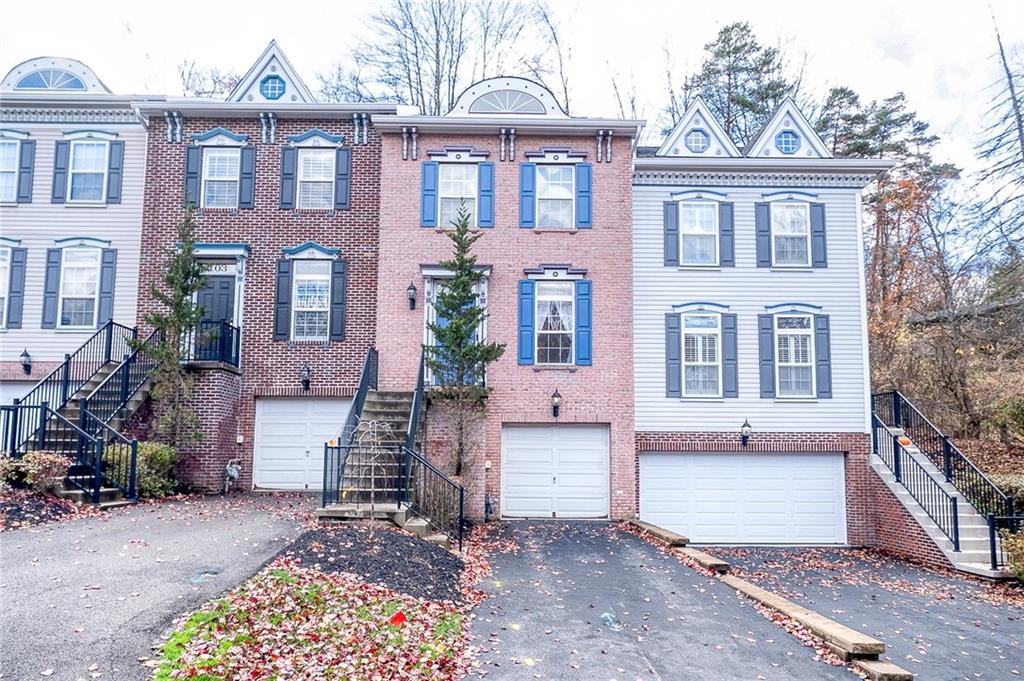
{"points": [[507, 101], [50, 79]]}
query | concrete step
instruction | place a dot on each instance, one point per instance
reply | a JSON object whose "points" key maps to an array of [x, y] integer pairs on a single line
{"points": [[107, 494], [417, 526], [345, 511]]}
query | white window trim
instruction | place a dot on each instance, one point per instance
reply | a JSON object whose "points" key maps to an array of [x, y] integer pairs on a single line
{"points": [[537, 324], [538, 197], [717, 332], [203, 178], [476, 192], [60, 287], [75, 143], [809, 332], [295, 307], [5, 285], [17, 171], [807, 210], [298, 176], [717, 235]]}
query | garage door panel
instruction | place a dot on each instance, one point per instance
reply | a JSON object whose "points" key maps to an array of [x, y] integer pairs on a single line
{"points": [[289, 440]]}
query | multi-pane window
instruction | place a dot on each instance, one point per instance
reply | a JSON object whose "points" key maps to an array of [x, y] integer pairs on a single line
{"points": [[220, 177], [794, 355], [555, 196], [8, 171], [88, 171], [5, 276], [788, 142], [79, 286], [697, 141], [458, 185], [556, 319], [791, 234], [311, 300], [702, 356], [698, 232], [316, 178]]}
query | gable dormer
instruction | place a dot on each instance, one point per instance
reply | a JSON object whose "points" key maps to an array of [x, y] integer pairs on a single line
{"points": [[698, 134], [787, 135], [272, 79]]}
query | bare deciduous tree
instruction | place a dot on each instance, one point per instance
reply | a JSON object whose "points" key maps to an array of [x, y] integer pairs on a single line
{"points": [[201, 82]]}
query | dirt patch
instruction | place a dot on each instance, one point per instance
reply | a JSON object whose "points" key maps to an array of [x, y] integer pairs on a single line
{"points": [[23, 508], [994, 457]]}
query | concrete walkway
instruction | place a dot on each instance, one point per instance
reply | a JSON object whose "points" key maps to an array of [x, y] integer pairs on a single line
{"points": [[91, 595]]}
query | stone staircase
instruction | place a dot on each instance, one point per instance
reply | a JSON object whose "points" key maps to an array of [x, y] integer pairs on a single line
{"points": [[401, 517]]}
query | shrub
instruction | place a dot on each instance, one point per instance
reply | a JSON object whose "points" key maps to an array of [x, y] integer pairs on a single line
{"points": [[1013, 485], [1010, 414], [8, 473], [42, 467], [1013, 545], [156, 469]]}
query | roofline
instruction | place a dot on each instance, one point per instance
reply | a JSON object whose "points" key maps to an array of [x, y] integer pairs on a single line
{"points": [[50, 98], [521, 123], [831, 165], [217, 109]]}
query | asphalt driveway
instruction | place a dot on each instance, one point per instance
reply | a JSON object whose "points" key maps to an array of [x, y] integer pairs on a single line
{"points": [[586, 600], [938, 626], [89, 596]]}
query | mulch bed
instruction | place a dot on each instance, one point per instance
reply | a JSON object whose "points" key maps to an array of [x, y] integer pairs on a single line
{"points": [[381, 555], [24, 508]]}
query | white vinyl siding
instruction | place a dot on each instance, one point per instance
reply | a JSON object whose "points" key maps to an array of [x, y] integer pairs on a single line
{"points": [[79, 287], [698, 233], [791, 234], [702, 355], [8, 171], [87, 176], [5, 277], [556, 318], [556, 191], [221, 166], [794, 355], [316, 178], [458, 188], [311, 300]]}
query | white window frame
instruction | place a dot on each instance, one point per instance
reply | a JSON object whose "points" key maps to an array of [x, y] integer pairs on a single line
{"points": [[809, 333], [474, 200], [204, 177], [683, 233], [98, 252], [5, 281], [75, 144], [295, 309], [300, 179], [704, 137], [539, 198], [537, 332], [16, 170], [717, 333], [807, 214]]}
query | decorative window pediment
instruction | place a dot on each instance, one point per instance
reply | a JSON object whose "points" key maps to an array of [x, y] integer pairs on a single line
{"points": [[793, 307], [556, 155], [310, 250], [555, 271], [700, 306], [81, 241], [698, 134], [315, 137], [13, 135], [91, 135], [459, 154], [219, 137]]}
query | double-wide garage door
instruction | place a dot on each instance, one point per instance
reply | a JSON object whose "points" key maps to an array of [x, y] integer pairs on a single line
{"points": [[746, 498], [554, 471], [290, 437]]}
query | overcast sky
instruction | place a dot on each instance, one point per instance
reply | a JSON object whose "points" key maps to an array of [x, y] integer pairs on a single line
{"points": [[939, 52]]}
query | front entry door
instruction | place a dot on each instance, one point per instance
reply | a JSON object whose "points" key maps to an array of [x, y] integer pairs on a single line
{"points": [[217, 299]]}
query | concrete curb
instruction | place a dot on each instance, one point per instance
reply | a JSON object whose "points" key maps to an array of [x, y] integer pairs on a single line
{"points": [[660, 533], [879, 670], [705, 560]]}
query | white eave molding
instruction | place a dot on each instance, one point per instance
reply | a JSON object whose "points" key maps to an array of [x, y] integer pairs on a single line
{"points": [[484, 124], [763, 165]]}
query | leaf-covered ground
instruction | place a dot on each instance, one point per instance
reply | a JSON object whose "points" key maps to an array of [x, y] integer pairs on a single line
{"points": [[23, 508]]}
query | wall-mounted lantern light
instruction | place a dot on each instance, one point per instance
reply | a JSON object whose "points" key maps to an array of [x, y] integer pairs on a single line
{"points": [[556, 403], [745, 432], [306, 373], [26, 361], [411, 294]]}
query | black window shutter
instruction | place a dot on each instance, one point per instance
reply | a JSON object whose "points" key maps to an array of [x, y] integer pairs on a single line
{"points": [[193, 168], [16, 288], [823, 355], [766, 353], [51, 288], [673, 356], [115, 172], [726, 236], [247, 178], [108, 274], [339, 285], [289, 165], [26, 166], [671, 234], [763, 229], [342, 178], [283, 300], [730, 357], [61, 159], [819, 249]]}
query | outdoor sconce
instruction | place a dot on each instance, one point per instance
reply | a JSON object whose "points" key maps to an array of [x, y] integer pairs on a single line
{"points": [[26, 361], [305, 377], [745, 433], [556, 403], [411, 293]]}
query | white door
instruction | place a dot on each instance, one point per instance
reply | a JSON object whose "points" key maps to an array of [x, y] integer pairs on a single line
{"points": [[746, 498], [290, 437], [554, 471]]}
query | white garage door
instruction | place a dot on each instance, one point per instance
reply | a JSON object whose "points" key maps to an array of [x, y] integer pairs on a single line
{"points": [[554, 471], [746, 499], [290, 437]]}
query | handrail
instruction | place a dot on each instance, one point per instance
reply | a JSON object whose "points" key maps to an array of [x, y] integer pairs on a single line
{"points": [[212, 342], [998, 556], [433, 496], [114, 392], [119, 459], [417, 404], [335, 453]]}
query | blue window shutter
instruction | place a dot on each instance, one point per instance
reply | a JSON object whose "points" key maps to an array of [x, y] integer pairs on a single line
{"points": [[428, 195], [485, 195], [342, 178], [730, 357], [823, 355], [526, 323], [673, 356], [61, 160], [51, 287], [247, 178], [26, 166], [108, 274], [766, 353], [283, 300], [527, 194], [584, 200], [584, 323], [339, 285], [16, 287], [671, 234], [763, 229], [115, 172], [193, 169], [819, 250], [726, 236], [289, 165]]}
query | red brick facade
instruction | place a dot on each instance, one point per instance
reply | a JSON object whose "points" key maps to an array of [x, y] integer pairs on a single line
{"points": [[897, 532]]}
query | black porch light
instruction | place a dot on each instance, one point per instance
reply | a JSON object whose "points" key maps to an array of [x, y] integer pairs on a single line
{"points": [[556, 403], [305, 373], [411, 294], [745, 432], [26, 361]]}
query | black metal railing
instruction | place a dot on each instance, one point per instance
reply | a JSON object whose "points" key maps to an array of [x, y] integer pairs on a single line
{"points": [[335, 452], [940, 506], [116, 465], [416, 407], [213, 342], [109, 399], [896, 411], [431, 495], [998, 526]]}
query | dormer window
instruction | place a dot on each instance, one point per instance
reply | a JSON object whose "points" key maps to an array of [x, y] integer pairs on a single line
{"points": [[697, 141], [272, 87], [787, 141]]}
